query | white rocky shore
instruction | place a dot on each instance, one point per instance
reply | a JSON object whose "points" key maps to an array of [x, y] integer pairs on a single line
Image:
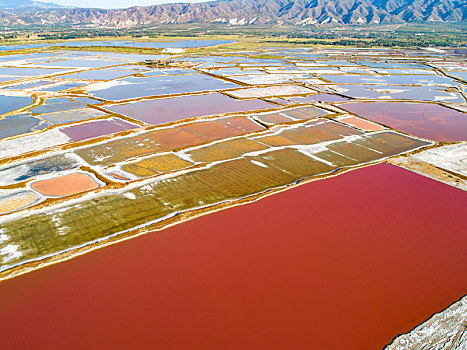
{"points": [[446, 330]]}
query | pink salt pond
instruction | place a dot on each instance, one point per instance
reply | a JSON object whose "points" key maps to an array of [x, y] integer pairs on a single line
{"points": [[97, 128], [66, 185], [427, 120], [359, 123], [347, 263], [168, 110]]}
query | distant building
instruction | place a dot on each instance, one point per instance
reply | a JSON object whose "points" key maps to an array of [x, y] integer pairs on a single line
{"points": [[173, 50]]}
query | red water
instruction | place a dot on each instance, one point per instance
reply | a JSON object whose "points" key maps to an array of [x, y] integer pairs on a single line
{"points": [[97, 128], [427, 120], [343, 263]]}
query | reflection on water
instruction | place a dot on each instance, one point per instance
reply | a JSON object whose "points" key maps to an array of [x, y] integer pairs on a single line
{"points": [[425, 120], [382, 64], [11, 103], [317, 98], [12, 126], [391, 79], [56, 105], [417, 93], [28, 72], [168, 110], [103, 74], [134, 87], [61, 87], [149, 44], [142, 44], [5, 79], [81, 63], [96, 129], [29, 85], [20, 47]]}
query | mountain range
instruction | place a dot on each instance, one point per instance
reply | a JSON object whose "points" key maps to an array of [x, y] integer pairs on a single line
{"points": [[241, 12], [25, 4]]}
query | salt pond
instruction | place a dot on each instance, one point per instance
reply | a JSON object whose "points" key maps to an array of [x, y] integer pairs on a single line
{"points": [[284, 275], [149, 44], [11, 103], [133, 87], [426, 120], [172, 109]]}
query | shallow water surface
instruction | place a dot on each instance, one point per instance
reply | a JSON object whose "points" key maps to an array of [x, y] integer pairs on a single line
{"points": [[403, 92], [297, 270], [20, 47], [317, 98], [31, 85], [56, 105], [15, 125], [81, 63], [97, 128], [426, 120], [11, 103], [61, 87], [171, 109], [148, 44], [102, 74], [403, 79], [5, 79], [29, 72], [133, 87]]}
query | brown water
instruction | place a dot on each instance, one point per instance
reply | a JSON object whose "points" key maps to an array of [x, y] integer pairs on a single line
{"points": [[343, 263]]}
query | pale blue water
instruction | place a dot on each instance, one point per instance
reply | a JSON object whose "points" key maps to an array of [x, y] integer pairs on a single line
{"points": [[62, 87], [10, 103], [19, 47], [12, 126], [390, 79], [133, 87], [29, 72], [144, 44], [422, 93], [29, 85], [149, 44], [56, 105]]}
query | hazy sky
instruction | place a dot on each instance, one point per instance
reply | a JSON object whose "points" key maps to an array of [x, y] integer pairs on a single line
{"points": [[114, 3]]}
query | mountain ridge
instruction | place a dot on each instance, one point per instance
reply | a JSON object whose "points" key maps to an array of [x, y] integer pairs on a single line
{"points": [[245, 12], [21, 4]]}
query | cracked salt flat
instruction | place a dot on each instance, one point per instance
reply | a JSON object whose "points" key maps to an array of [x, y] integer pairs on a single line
{"points": [[449, 157], [31, 143]]}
